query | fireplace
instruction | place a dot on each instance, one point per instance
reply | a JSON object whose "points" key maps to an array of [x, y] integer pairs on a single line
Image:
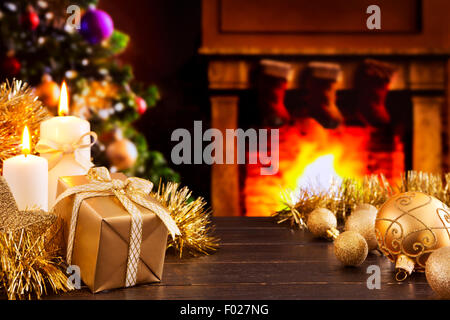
{"points": [[415, 137], [311, 156]]}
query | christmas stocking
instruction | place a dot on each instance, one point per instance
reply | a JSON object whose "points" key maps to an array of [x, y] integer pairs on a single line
{"points": [[272, 85], [372, 81], [319, 80]]}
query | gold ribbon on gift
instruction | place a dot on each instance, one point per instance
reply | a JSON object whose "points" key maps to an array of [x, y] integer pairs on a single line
{"points": [[129, 192], [54, 151]]}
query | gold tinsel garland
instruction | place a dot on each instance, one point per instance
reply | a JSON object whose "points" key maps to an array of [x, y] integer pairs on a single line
{"points": [[191, 217], [28, 268], [19, 107], [29, 260], [342, 198]]}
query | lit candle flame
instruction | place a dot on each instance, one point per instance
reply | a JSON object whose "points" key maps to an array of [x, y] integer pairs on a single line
{"points": [[63, 109], [26, 144]]}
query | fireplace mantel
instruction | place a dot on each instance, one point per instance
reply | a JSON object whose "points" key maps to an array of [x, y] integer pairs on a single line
{"points": [[324, 27], [323, 52]]}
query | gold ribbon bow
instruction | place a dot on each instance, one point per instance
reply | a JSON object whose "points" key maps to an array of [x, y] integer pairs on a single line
{"points": [[129, 192], [54, 151]]}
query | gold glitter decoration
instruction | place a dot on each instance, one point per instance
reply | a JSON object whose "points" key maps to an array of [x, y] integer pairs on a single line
{"points": [[35, 221], [437, 271], [322, 223], [8, 206], [351, 248], [29, 261], [191, 217], [362, 220], [19, 107]]}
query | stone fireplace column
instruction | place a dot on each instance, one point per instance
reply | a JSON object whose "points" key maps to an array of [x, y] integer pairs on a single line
{"points": [[225, 177], [427, 127]]}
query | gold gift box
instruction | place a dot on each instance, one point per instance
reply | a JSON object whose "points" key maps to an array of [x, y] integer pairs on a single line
{"points": [[102, 236]]}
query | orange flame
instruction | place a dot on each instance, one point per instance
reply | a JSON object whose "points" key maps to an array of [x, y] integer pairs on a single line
{"points": [[309, 157], [324, 156], [26, 143], [63, 108]]}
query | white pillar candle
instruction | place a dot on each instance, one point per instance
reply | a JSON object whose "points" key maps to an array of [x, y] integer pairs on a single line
{"points": [[27, 177], [65, 130]]}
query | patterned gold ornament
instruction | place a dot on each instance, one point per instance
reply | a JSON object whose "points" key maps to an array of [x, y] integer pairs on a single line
{"points": [[362, 220], [409, 227], [437, 272], [322, 223], [351, 248]]}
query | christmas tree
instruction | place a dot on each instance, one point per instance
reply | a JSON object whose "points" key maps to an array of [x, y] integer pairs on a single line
{"points": [[44, 42]]}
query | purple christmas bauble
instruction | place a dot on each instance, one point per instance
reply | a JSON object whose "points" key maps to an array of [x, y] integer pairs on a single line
{"points": [[96, 26]]}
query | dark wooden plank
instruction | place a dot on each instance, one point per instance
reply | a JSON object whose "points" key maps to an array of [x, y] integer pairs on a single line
{"points": [[266, 236], [249, 291], [320, 252], [246, 223], [257, 253], [259, 259], [277, 272], [263, 230]]}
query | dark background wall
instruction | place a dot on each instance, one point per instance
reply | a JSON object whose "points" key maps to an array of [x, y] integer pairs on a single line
{"points": [[164, 38]]}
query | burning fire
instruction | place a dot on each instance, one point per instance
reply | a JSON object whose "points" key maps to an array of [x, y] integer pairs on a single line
{"points": [[324, 156], [310, 157], [319, 173]]}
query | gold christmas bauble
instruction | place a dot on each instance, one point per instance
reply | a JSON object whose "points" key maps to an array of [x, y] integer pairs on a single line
{"points": [[321, 222], [48, 92], [122, 154], [437, 272], [362, 220], [409, 227], [351, 248]]}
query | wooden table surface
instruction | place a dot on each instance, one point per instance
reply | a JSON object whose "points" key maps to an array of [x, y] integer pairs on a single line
{"points": [[259, 259]]}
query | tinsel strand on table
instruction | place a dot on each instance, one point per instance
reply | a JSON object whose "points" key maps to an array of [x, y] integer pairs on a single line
{"points": [[191, 217], [432, 184], [19, 107], [342, 197], [30, 264], [27, 268]]}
